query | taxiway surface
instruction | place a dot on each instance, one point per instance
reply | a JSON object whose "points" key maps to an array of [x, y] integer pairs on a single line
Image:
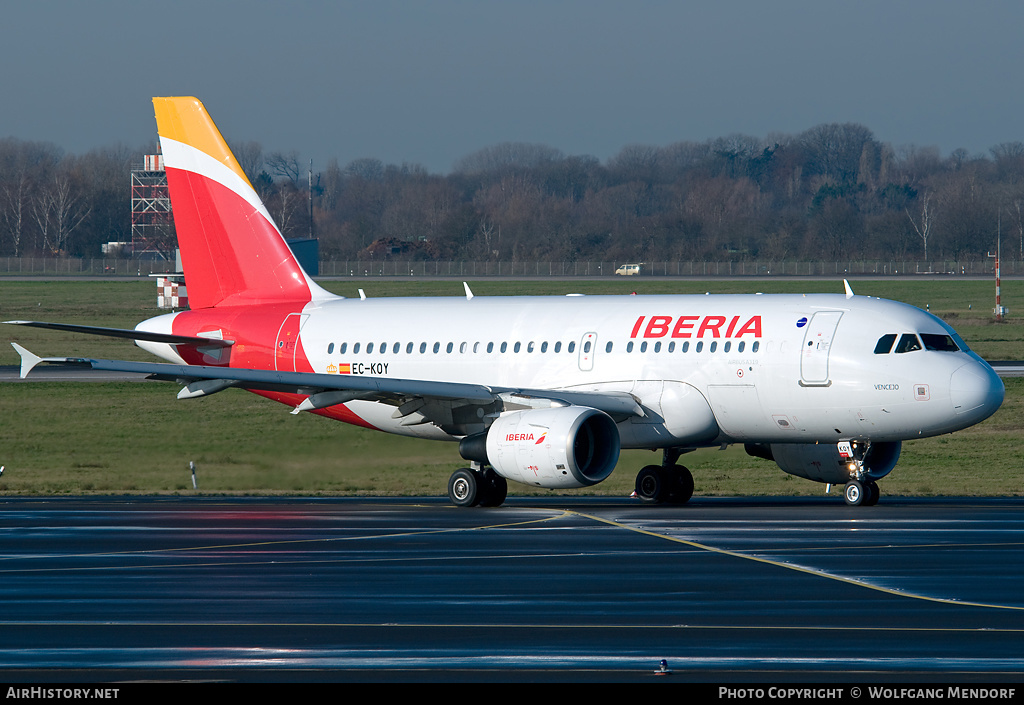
{"points": [[539, 589]]}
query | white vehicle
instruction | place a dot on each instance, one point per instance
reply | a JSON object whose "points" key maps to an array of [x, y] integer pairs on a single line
{"points": [[545, 391], [628, 270]]}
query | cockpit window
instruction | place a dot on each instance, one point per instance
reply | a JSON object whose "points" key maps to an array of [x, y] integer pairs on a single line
{"points": [[884, 344], [908, 343], [944, 343]]}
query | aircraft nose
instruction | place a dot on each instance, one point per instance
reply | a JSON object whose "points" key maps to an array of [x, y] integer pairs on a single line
{"points": [[976, 390]]}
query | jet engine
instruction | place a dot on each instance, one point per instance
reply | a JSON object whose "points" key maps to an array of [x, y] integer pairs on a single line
{"points": [[557, 448], [821, 461]]}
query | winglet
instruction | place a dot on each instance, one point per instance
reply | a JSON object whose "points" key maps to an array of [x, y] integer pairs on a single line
{"points": [[849, 291], [469, 294], [28, 360]]}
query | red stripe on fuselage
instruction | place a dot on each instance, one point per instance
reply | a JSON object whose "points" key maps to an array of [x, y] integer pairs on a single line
{"points": [[254, 330]]}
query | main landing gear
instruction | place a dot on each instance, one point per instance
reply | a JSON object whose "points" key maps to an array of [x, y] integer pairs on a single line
{"points": [[477, 486], [667, 482]]}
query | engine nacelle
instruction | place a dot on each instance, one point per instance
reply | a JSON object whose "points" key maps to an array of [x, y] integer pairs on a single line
{"points": [[557, 448], [821, 461]]}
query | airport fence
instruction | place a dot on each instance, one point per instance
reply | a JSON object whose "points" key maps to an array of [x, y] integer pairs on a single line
{"points": [[71, 266]]}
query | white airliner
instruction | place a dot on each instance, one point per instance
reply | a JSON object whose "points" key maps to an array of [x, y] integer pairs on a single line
{"points": [[545, 391]]}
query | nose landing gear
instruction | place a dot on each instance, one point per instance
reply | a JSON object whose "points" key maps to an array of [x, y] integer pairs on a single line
{"points": [[860, 490]]}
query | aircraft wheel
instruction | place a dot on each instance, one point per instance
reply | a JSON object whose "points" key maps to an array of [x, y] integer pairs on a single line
{"points": [[854, 493], [652, 485], [494, 489], [464, 488], [682, 484], [871, 493]]}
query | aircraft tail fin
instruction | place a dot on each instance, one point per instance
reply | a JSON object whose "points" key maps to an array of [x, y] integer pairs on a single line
{"points": [[231, 250]]}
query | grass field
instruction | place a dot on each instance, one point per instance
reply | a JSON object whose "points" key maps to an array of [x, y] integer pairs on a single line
{"points": [[58, 438]]}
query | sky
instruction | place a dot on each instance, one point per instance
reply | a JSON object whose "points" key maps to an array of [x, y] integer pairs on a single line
{"points": [[429, 82]]}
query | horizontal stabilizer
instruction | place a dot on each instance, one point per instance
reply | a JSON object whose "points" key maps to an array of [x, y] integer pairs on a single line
{"points": [[128, 334]]}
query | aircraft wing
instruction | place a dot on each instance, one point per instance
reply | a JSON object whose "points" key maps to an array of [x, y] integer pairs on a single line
{"points": [[325, 390]]}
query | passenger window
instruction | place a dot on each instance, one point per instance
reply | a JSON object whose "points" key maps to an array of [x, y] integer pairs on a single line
{"points": [[423, 348], [476, 348], [657, 346], [341, 350], [739, 348], [686, 346], [490, 347], [504, 347], [448, 348], [408, 349], [544, 347], [908, 343], [396, 347], [643, 346], [726, 347], [355, 349], [437, 348], [558, 346], [714, 346], [608, 347], [383, 348], [755, 346], [462, 348], [517, 346], [942, 343], [700, 346], [529, 347], [629, 346], [572, 346], [369, 348], [672, 346], [330, 348], [884, 344], [586, 347]]}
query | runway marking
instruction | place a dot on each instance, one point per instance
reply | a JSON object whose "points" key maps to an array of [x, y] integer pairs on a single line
{"points": [[192, 624], [278, 542], [800, 569]]}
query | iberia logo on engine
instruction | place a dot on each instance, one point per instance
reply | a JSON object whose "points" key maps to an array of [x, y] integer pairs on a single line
{"points": [[519, 437]]}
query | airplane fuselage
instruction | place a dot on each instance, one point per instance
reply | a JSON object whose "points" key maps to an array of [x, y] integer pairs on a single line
{"points": [[706, 369]]}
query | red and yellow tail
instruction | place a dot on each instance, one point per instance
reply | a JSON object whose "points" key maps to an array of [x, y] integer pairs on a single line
{"points": [[231, 250]]}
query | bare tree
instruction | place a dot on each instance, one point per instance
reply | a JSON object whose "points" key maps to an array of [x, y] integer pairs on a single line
{"points": [[835, 150], [13, 197], [366, 169], [923, 225], [285, 165], [250, 158], [58, 211], [507, 155]]}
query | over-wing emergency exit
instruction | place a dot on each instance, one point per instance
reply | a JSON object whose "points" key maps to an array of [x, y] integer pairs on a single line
{"points": [[545, 391]]}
